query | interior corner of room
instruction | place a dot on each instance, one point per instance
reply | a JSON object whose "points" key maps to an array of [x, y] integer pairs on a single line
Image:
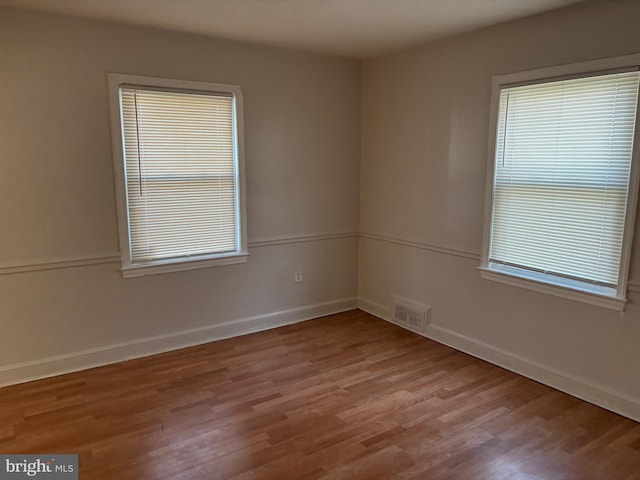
{"points": [[365, 187]]}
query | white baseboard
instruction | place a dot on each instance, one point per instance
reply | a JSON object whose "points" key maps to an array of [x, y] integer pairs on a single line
{"points": [[602, 396], [72, 362]]}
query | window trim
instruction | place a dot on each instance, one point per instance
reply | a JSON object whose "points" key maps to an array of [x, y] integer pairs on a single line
{"points": [[556, 286], [129, 269]]}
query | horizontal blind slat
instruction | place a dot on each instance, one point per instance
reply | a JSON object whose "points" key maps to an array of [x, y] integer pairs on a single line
{"points": [[562, 166], [180, 173]]}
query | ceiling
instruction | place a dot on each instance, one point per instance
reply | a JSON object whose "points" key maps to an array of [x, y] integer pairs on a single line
{"points": [[352, 28]]}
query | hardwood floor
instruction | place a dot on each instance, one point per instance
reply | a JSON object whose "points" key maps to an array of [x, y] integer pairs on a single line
{"points": [[342, 397]]}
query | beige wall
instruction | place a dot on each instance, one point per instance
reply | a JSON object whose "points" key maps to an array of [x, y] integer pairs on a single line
{"points": [[302, 129], [425, 132], [421, 184]]}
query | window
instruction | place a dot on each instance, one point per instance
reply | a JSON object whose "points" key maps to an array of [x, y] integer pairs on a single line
{"points": [[562, 181], [179, 173]]}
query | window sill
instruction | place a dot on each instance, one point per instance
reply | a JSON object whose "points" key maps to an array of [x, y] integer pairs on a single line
{"points": [[182, 264], [565, 288]]}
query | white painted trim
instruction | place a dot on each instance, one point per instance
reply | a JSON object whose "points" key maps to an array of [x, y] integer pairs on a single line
{"points": [[376, 309], [240, 170], [571, 69], [422, 246], [95, 357], [59, 263], [600, 395], [572, 293], [631, 287], [183, 265], [616, 301], [268, 242], [578, 387], [129, 269], [56, 264], [632, 205]]}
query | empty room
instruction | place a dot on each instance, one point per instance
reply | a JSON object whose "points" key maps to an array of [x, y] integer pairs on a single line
{"points": [[330, 239]]}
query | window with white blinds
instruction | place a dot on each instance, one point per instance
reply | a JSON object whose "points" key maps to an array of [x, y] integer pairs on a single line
{"points": [[562, 167], [180, 176]]}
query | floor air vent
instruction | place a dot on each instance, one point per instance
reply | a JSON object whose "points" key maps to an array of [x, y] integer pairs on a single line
{"points": [[411, 315]]}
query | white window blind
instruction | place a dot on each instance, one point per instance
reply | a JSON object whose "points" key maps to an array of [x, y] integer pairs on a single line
{"points": [[181, 173], [561, 178]]}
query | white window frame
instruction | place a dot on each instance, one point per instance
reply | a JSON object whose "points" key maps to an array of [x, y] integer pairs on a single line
{"points": [[128, 268], [540, 282]]}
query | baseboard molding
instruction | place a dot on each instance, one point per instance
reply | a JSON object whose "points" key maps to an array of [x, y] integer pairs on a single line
{"points": [[374, 308], [578, 387], [61, 364]]}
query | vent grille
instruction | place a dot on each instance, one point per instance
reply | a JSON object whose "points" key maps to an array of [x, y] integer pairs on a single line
{"points": [[411, 315]]}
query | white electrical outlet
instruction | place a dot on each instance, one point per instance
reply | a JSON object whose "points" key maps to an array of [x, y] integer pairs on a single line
{"points": [[297, 277]]}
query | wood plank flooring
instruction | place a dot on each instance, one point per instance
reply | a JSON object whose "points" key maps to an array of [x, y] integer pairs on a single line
{"points": [[342, 397]]}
